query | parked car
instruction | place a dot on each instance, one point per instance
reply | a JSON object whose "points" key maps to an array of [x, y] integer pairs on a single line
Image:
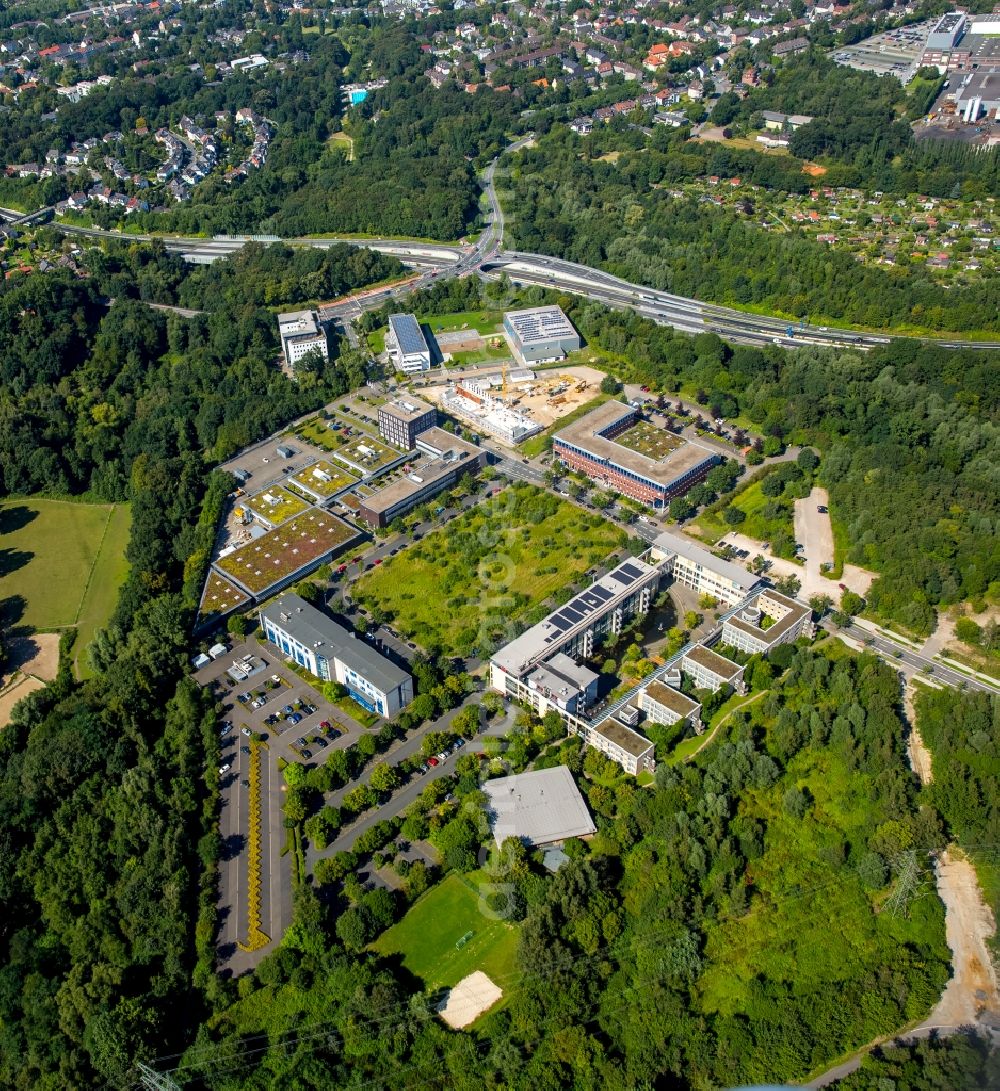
{"points": [[245, 782], [821, 508], [244, 749], [295, 718], [307, 754], [459, 744], [324, 725], [243, 698], [320, 741], [223, 769], [308, 709], [443, 756], [288, 710], [226, 728], [433, 762], [246, 731]]}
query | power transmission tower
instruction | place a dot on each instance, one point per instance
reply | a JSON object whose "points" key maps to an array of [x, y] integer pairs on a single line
{"points": [[908, 885], [155, 1081]]}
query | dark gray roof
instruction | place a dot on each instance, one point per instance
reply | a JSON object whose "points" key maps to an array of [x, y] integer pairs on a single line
{"points": [[315, 630], [407, 332]]}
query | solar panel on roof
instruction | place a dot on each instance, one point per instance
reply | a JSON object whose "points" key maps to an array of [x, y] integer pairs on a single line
{"points": [[623, 577], [602, 593], [558, 623], [573, 615], [631, 570]]}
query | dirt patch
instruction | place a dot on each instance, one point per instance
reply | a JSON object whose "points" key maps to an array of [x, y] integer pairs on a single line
{"points": [[468, 1000], [814, 170], [9, 698], [969, 924], [37, 655], [919, 755]]}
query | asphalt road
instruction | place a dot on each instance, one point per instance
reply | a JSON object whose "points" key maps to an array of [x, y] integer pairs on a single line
{"points": [[487, 258], [907, 660]]}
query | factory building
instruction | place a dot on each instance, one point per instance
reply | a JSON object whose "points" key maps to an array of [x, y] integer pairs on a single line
{"points": [[406, 344], [540, 334], [949, 29]]}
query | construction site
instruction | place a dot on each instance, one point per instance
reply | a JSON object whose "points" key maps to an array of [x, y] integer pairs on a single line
{"points": [[512, 404]]}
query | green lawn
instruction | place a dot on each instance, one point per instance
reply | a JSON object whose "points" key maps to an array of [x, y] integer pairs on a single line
{"points": [[427, 935], [482, 321], [768, 519], [462, 586], [66, 560]]}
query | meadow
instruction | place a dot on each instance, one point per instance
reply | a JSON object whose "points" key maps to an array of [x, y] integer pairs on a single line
{"points": [[466, 586], [61, 565]]}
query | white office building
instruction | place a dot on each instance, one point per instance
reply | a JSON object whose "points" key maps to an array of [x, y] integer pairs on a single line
{"points": [[666, 705], [406, 344], [765, 622], [333, 653], [300, 334], [694, 567]]}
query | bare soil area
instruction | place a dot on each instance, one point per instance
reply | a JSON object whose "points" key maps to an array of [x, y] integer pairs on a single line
{"points": [[468, 1000], [969, 924]]}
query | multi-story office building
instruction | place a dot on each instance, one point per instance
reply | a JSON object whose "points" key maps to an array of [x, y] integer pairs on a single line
{"points": [[633, 752], [588, 445], [577, 627], [562, 684], [709, 670], [694, 567], [540, 334], [301, 334], [331, 652], [406, 344], [401, 420], [665, 705], [765, 622], [446, 458]]}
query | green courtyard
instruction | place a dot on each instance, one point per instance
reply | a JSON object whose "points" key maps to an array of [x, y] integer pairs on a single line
{"points": [[472, 584], [646, 439]]}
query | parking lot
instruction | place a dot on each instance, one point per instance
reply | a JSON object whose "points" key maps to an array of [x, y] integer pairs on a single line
{"points": [[266, 466], [302, 741]]}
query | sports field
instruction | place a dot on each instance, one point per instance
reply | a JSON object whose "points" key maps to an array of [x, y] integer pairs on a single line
{"points": [[427, 936], [66, 561]]}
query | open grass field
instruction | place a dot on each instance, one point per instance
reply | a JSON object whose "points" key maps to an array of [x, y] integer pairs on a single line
{"points": [[768, 519], [62, 563], [462, 586], [277, 554], [427, 935], [646, 439], [324, 478], [483, 321], [277, 505]]}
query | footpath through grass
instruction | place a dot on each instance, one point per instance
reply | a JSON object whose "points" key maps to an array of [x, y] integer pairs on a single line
{"points": [[427, 936]]}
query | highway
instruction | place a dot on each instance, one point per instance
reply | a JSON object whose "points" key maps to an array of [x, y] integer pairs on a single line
{"points": [[487, 258]]}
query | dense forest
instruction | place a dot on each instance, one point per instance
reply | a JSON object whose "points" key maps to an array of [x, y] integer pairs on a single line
{"points": [[620, 216], [962, 1062], [859, 130]]}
